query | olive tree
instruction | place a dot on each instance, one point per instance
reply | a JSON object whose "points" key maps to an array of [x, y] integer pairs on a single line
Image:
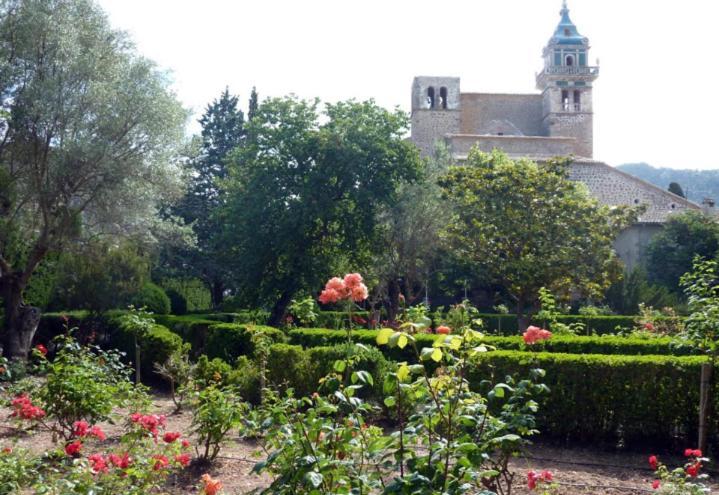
{"points": [[88, 134]]}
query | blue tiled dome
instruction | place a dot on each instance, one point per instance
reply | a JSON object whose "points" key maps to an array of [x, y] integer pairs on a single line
{"points": [[566, 32]]}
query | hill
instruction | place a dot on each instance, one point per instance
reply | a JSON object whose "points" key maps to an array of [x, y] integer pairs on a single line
{"points": [[697, 184]]}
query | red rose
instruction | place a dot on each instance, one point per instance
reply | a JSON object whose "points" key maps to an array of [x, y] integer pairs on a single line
{"points": [[653, 462], [170, 436], [183, 459], [41, 349], [444, 330], [73, 449], [656, 484], [80, 428], [693, 470], [160, 462]]}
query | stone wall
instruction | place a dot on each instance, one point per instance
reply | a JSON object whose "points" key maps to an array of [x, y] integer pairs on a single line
{"points": [[614, 187], [514, 146], [480, 111], [430, 126]]}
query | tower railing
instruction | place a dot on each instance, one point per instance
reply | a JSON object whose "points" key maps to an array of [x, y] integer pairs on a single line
{"points": [[572, 70]]}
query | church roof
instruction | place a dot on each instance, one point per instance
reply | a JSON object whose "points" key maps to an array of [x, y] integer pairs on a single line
{"points": [[566, 32]]}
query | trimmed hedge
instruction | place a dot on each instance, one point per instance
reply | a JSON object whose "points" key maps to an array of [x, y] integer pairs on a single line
{"points": [[291, 366], [569, 344], [228, 341], [155, 347], [619, 400]]}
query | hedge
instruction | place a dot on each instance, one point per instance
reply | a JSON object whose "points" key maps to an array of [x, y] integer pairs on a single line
{"points": [[155, 347], [337, 319], [228, 341], [291, 366], [570, 344], [618, 400]]}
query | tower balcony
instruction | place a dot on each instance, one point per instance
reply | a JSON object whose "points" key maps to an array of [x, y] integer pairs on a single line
{"points": [[571, 70]]}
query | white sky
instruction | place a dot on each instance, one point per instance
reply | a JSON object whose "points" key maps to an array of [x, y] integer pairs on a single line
{"points": [[656, 100]]}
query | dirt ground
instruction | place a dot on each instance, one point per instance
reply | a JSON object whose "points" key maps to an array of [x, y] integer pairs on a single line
{"points": [[578, 471]]}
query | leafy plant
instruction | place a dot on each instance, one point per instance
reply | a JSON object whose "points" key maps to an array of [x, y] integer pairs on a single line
{"points": [[216, 412], [305, 310], [85, 383], [178, 370]]}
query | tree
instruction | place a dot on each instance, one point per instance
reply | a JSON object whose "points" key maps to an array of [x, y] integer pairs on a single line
{"points": [[410, 236], [253, 104], [675, 188], [222, 131], [525, 226], [671, 251], [88, 131], [304, 195]]}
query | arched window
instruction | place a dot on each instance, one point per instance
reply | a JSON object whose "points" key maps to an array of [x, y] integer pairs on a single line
{"points": [[443, 98], [430, 97], [570, 60]]}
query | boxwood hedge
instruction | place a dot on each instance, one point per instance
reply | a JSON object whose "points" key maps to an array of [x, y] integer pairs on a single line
{"points": [[607, 344]]}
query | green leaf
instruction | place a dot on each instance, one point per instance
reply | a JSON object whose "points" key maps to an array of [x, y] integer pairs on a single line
{"points": [[436, 355], [403, 372], [384, 335], [390, 401], [402, 341], [340, 366], [314, 478]]}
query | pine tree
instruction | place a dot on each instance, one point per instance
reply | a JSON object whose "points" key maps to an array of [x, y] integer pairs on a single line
{"points": [[222, 131], [675, 188], [252, 107]]}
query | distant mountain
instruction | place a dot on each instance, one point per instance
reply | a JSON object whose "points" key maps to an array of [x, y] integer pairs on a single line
{"points": [[696, 184]]}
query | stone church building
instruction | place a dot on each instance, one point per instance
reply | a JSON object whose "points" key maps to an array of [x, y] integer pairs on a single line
{"points": [[556, 121]]}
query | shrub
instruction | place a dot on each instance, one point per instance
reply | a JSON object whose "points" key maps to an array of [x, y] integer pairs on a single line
{"points": [[619, 400], [84, 383], [152, 298], [178, 303], [156, 345], [607, 344], [217, 411], [228, 341], [178, 371]]}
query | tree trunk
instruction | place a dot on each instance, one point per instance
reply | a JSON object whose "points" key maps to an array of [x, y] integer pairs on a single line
{"points": [[217, 292], [393, 291], [522, 319], [280, 309], [21, 320]]}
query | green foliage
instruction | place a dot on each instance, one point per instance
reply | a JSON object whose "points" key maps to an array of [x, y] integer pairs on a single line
{"points": [[337, 319], [569, 344], [228, 341], [17, 469], [702, 290], [671, 252], [84, 383], [216, 412], [194, 292], [98, 277], [675, 188], [634, 289], [615, 400], [449, 438], [524, 226], [178, 371], [157, 343], [222, 131], [211, 372], [305, 191], [153, 299], [96, 161], [305, 311], [178, 303]]}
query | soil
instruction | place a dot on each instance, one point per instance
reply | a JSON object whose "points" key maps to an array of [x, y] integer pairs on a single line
{"points": [[577, 470]]}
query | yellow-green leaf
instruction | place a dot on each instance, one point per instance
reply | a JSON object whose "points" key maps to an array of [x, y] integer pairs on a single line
{"points": [[384, 335], [403, 372], [402, 341], [436, 355]]}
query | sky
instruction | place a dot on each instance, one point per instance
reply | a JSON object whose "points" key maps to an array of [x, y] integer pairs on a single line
{"points": [[656, 99]]}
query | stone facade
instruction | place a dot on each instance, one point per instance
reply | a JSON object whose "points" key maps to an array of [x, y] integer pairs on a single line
{"points": [[557, 121]]}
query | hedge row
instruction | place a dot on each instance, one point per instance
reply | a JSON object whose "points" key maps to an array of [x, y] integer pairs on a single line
{"points": [[569, 344], [619, 400], [614, 400]]}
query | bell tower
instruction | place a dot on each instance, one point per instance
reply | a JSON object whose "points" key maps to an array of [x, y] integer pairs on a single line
{"points": [[566, 86]]}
